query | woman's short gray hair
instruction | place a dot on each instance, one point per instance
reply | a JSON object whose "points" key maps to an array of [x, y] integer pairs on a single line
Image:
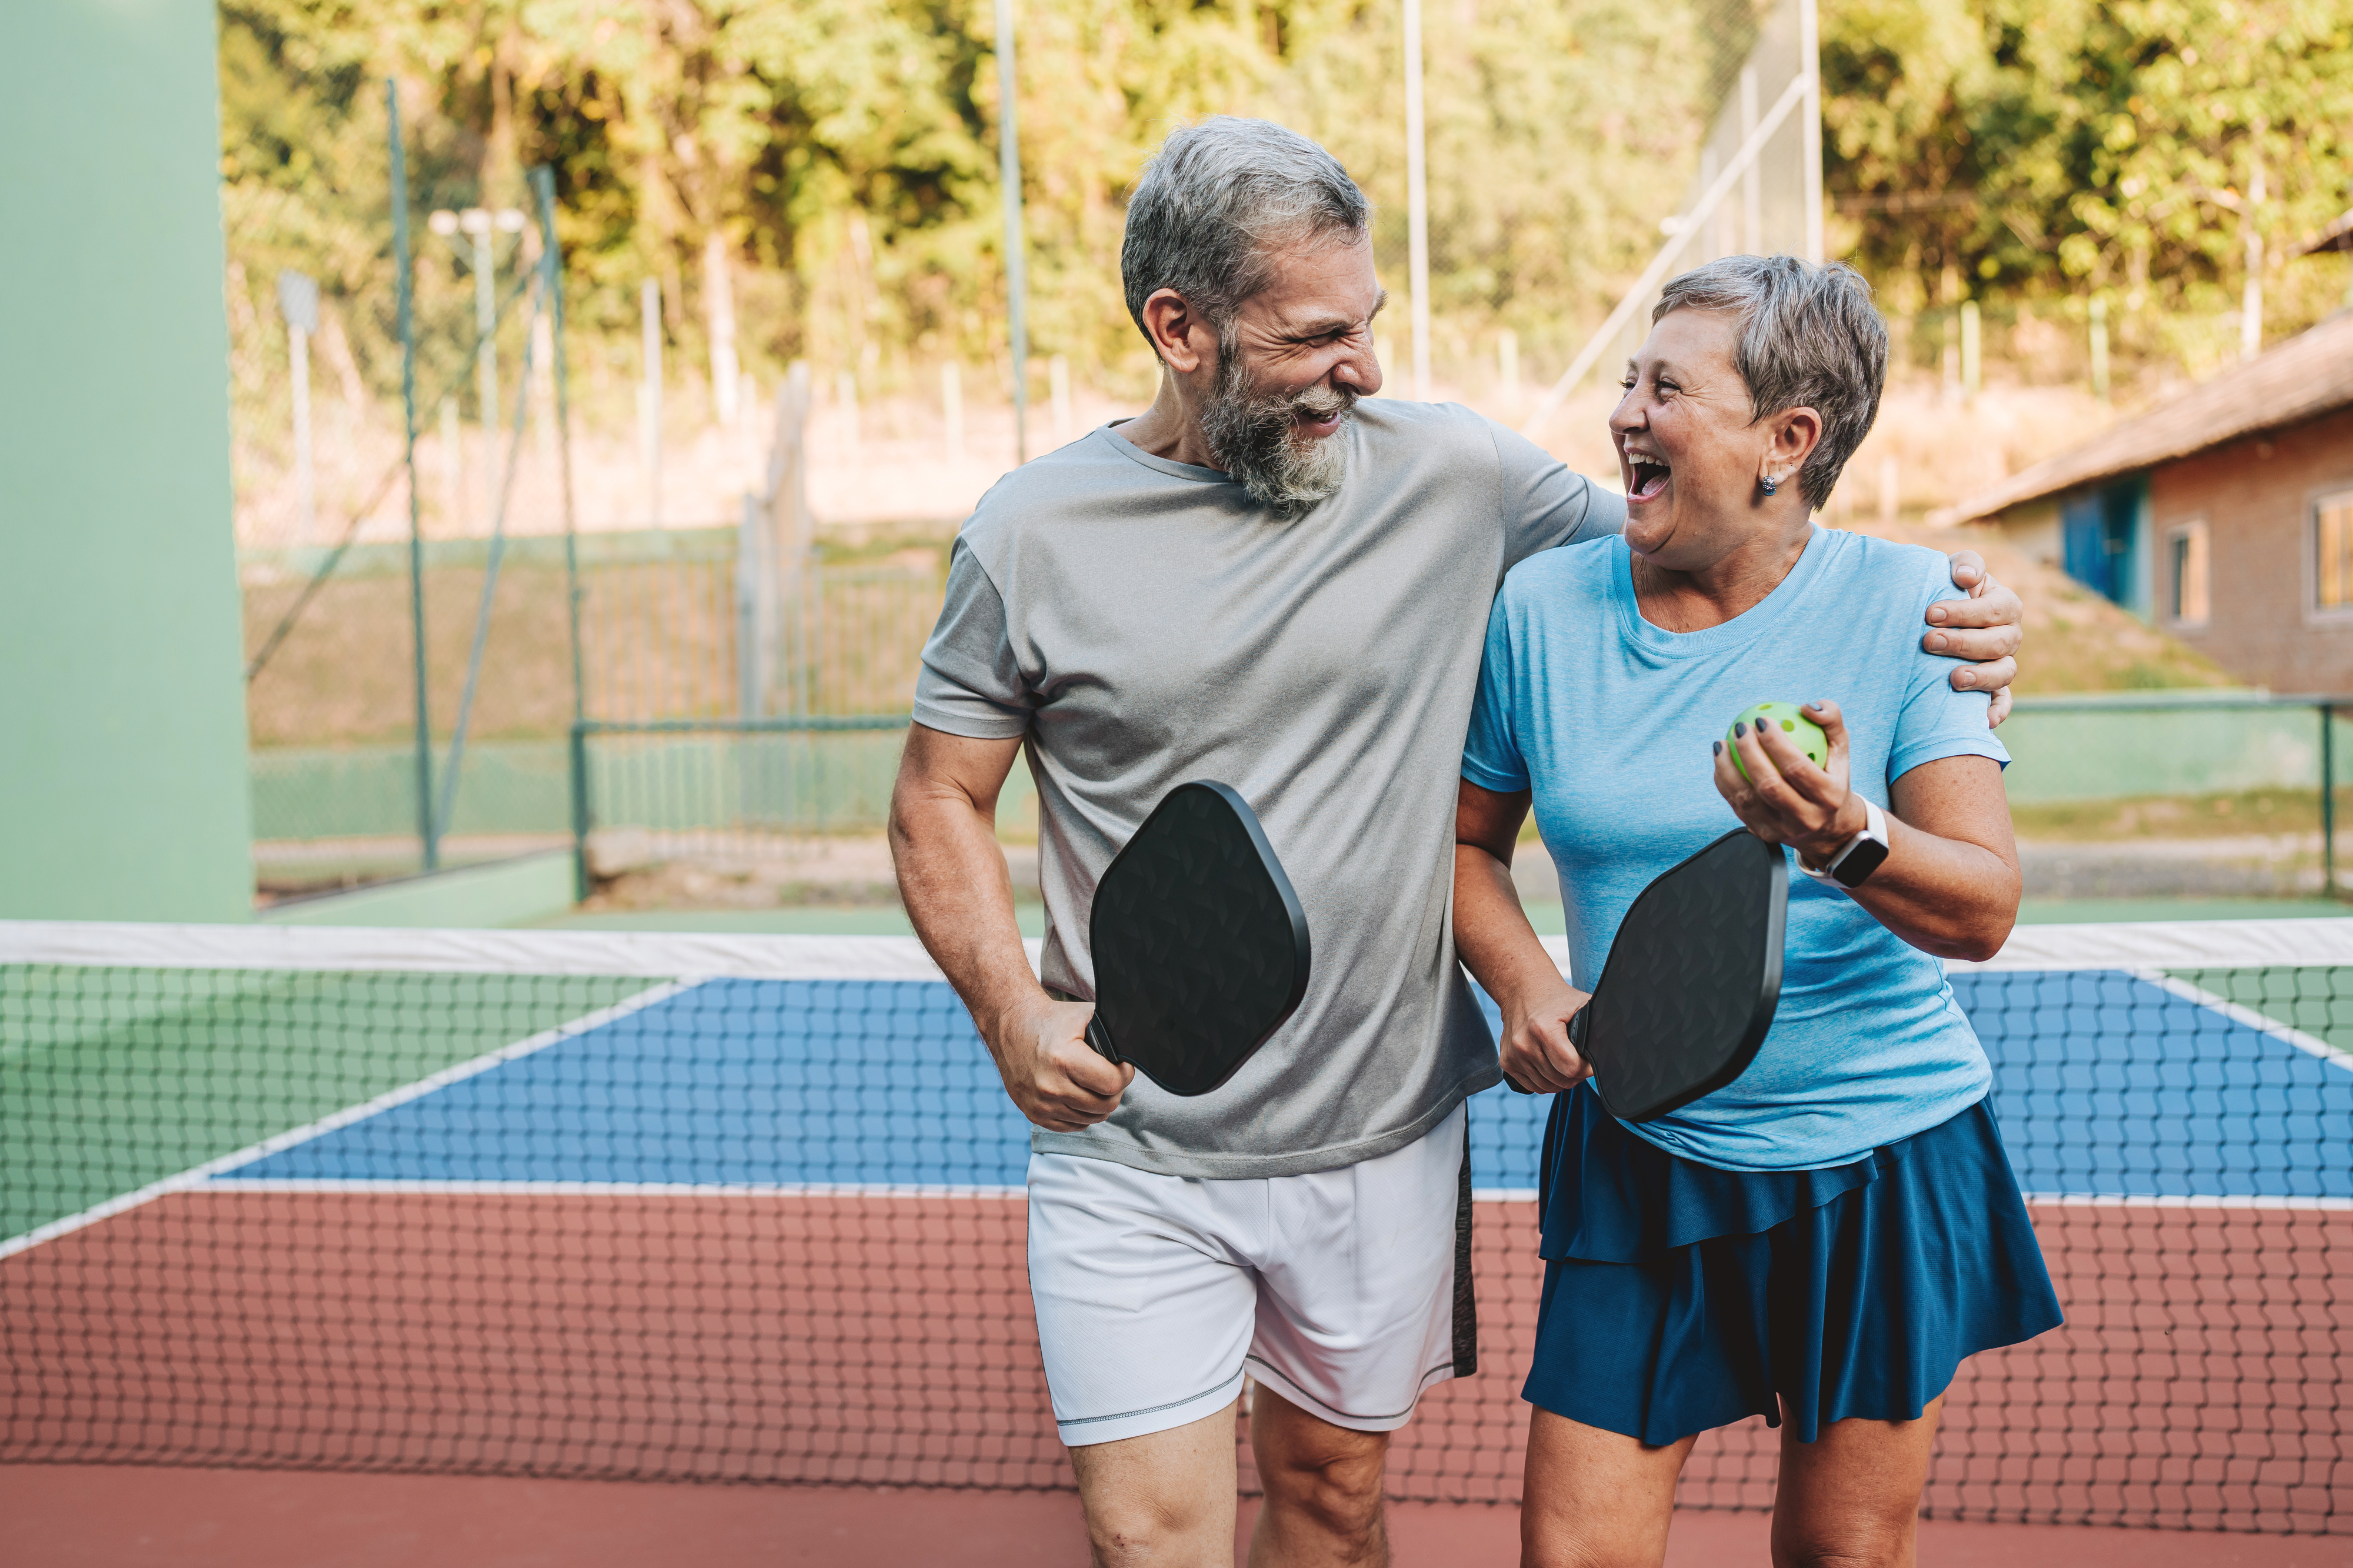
{"points": [[1809, 338], [1215, 203]]}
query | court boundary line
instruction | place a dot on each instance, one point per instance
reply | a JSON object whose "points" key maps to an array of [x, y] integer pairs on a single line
{"points": [[460, 1187], [457, 1072], [2248, 1017], [2185, 1201], [534, 1188], [398, 1186]]}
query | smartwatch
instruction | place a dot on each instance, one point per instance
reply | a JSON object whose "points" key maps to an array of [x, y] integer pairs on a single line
{"points": [[1859, 856]]}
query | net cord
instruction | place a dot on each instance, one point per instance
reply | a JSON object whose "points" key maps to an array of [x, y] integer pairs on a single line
{"points": [[92, 945]]}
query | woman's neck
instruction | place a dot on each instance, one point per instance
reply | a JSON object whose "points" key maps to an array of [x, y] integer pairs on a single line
{"points": [[1704, 596]]}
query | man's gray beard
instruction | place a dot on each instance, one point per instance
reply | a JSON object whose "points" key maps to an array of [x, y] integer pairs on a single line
{"points": [[1255, 440]]}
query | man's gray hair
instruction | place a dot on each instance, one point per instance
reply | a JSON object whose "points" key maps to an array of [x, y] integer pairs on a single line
{"points": [[1809, 338], [1217, 201]]}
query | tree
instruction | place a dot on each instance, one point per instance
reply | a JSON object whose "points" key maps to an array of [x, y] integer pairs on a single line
{"points": [[2169, 149]]}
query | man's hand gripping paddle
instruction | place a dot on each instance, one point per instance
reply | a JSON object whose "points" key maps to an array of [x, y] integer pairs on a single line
{"points": [[1200, 946]]}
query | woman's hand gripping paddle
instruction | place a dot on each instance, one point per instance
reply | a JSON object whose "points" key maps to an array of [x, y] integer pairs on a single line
{"points": [[1691, 982]]}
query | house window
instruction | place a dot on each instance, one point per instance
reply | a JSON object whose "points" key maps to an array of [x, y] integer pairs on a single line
{"points": [[2187, 573], [2332, 552]]}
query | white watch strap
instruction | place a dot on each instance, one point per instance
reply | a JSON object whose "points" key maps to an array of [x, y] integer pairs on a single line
{"points": [[1875, 827]]}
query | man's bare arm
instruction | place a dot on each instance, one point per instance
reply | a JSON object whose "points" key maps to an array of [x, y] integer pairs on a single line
{"points": [[954, 882], [1983, 630]]}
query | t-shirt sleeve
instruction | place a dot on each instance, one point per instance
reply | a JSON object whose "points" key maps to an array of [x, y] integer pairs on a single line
{"points": [[1491, 752], [1938, 722], [1544, 502], [970, 683]]}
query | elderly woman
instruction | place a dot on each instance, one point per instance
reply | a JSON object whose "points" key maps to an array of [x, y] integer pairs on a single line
{"points": [[1821, 1241]]}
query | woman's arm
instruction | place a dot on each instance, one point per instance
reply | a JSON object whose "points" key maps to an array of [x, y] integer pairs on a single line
{"points": [[1496, 943], [1950, 882]]}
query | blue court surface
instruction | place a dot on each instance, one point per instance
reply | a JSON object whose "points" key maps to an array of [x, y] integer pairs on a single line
{"points": [[2109, 1084]]}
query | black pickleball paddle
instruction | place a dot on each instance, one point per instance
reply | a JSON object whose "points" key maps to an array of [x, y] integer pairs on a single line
{"points": [[1692, 978], [1200, 946]]}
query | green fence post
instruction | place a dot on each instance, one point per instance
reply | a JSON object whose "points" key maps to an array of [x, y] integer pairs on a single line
{"points": [[2327, 801], [579, 810], [551, 261]]}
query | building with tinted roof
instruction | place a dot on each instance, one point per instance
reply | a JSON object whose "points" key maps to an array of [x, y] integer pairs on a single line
{"points": [[2224, 516]]}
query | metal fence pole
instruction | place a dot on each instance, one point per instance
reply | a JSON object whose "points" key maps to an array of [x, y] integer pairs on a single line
{"points": [[551, 259], [425, 827], [751, 639], [1016, 284], [579, 770]]}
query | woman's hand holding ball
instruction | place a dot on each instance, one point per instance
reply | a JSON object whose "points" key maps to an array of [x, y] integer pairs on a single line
{"points": [[1778, 793]]}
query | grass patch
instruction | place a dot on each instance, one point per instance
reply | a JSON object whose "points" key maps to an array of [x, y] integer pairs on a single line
{"points": [[2225, 815]]}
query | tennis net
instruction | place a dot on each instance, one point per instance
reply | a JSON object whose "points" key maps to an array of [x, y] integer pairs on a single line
{"points": [[749, 1209]]}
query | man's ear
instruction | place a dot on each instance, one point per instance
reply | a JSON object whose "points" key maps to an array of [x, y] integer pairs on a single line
{"points": [[1178, 333]]}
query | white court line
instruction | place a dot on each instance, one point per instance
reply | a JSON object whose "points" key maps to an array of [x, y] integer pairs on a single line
{"points": [[616, 1189], [950, 1190], [2115, 1200], [345, 1118], [2312, 1044]]}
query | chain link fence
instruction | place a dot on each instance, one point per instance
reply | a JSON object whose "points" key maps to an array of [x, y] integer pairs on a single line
{"points": [[680, 606]]}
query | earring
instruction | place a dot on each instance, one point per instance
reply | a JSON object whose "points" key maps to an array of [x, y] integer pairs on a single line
{"points": [[1770, 484]]}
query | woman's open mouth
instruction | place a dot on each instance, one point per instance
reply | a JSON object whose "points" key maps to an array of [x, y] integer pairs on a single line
{"points": [[1645, 477]]}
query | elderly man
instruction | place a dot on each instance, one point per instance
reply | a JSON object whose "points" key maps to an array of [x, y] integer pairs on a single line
{"points": [[1266, 582]]}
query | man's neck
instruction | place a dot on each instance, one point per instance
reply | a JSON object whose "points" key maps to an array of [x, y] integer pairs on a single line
{"points": [[1170, 429]]}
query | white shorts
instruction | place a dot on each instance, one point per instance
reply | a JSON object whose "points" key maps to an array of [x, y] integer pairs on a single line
{"points": [[1345, 1291]]}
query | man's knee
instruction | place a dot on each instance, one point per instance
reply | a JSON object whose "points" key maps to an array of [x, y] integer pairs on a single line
{"points": [[1343, 1497], [1166, 1498], [1329, 1475], [1166, 1527]]}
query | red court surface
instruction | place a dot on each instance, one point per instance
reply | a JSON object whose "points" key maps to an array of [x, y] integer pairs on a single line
{"points": [[703, 1338], [132, 1517]]}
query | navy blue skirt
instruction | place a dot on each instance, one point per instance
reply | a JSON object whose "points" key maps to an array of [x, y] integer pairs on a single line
{"points": [[1679, 1298]]}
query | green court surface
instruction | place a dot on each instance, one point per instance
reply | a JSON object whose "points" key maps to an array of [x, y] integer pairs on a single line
{"points": [[1546, 915], [163, 1069], [803, 919], [2103, 912]]}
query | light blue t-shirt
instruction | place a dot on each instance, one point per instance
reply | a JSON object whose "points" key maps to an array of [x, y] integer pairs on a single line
{"points": [[1608, 720]]}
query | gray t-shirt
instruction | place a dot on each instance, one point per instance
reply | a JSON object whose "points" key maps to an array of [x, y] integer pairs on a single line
{"points": [[1143, 622]]}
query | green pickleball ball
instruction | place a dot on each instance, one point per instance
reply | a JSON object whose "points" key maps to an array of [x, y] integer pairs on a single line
{"points": [[1791, 722]]}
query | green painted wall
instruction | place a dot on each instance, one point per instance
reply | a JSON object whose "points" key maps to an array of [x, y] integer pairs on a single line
{"points": [[122, 766], [474, 898]]}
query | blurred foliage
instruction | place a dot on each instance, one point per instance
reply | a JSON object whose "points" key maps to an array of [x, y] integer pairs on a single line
{"points": [[2014, 149], [842, 153], [845, 155]]}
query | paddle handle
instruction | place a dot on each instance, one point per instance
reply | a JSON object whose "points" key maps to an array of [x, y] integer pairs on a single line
{"points": [[1575, 1037], [1099, 1037]]}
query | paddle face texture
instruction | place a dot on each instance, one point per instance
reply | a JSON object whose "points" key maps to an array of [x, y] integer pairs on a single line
{"points": [[1200, 944], [1691, 982]]}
